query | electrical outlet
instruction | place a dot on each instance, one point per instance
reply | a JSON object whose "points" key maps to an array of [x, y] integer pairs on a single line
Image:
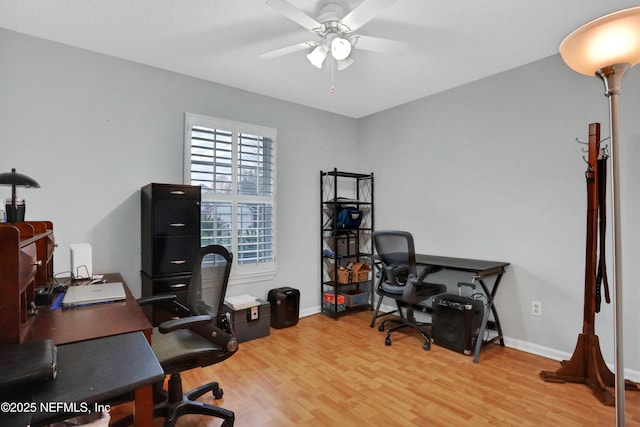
{"points": [[536, 308]]}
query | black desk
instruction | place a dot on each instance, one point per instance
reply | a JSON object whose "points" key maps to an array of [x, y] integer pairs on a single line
{"points": [[90, 372], [481, 270]]}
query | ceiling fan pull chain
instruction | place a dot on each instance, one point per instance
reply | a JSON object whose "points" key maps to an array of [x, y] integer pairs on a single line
{"points": [[333, 89]]}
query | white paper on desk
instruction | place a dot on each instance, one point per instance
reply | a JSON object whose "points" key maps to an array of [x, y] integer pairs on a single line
{"points": [[241, 302]]}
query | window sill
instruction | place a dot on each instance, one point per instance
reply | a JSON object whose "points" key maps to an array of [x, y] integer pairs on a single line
{"points": [[240, 279]]}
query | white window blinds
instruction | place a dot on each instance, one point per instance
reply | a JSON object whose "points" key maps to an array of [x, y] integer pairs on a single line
{"points": [[234, 163]]}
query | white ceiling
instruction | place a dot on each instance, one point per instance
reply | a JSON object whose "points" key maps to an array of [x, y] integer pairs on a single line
{"points": [[451, 42]]}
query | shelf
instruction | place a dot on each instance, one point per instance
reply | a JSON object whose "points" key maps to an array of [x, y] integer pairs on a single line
{"points": [[339, 257], [346, 202], [337, 173], [335, 284], [346, 311], [26, 250], [340, 189], [343, 232]]}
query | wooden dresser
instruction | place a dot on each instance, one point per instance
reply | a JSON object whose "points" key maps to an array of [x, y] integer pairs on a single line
{"points": [[26, 262]]}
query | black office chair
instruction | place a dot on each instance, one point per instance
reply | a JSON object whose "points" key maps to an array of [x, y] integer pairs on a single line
{"points": [[398, 279], [199, 335]]}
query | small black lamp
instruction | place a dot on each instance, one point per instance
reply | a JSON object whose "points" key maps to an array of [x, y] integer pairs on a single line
{"points": [[15, 179]]}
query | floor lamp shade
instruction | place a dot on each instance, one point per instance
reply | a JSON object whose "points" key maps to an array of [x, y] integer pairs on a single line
{"points": [[612, 39]]}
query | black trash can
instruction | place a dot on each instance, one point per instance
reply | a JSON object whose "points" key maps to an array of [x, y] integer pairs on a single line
{"points": [[285, 307]]}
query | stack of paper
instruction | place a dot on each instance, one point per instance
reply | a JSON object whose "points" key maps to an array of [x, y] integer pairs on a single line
{"points": [[241, 302]]}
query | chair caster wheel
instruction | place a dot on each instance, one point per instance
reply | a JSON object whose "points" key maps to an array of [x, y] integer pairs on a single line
{"points": [[426, 346], [217, 394], [387, 341], [381, 328]]}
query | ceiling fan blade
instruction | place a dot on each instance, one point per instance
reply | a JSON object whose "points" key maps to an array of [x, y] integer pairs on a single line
{"points": [[287, 50], [293, 13], [365, 12], [377, 44]]}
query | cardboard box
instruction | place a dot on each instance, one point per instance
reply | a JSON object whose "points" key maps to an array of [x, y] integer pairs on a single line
{"points": [[356, 298], [245, 324], [357, 273]]}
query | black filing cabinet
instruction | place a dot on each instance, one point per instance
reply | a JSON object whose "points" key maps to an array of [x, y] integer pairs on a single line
{"points": [[170, 233]]}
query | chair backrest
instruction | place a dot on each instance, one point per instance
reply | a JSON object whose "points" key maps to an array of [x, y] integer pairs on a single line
{"points": [[396, 251], [211, 270]]}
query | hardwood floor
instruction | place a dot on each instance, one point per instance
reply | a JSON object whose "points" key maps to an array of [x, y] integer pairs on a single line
{"points": [[323, 372]]}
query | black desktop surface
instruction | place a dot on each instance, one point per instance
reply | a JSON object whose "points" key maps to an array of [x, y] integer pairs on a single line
{"points": [[89, 373]]}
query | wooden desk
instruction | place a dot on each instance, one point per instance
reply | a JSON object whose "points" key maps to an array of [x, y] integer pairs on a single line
{"points": [[69, 325], [481, 270], [81, 324]]}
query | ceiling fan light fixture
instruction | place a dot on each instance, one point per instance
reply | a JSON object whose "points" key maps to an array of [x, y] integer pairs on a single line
{"points": [[343, 64], [318, 55], [340, 48]]}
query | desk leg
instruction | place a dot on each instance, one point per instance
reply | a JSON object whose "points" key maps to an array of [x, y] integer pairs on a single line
{"points": [[493, 307], [479, 340], [143, 409], [490, 295]]}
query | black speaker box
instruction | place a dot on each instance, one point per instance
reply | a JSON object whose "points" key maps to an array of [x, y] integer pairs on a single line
{"points": [[456, 322], [285, 307]]}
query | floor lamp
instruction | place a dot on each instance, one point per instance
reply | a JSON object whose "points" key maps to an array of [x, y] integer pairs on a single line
{"points": [[607, 48]]}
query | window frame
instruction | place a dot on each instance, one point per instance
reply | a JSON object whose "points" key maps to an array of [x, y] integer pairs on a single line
{"points": [[240, 272]]}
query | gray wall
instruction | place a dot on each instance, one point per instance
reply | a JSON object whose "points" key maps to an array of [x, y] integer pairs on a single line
{"points": [[487, 170], [491, 170], [92, 129]]}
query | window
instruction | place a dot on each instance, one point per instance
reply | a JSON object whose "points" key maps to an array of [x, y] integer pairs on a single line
{"points": [[234, 163]]}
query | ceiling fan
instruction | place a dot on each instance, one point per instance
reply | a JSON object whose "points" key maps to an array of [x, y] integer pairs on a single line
{"points": [[335, 31]]}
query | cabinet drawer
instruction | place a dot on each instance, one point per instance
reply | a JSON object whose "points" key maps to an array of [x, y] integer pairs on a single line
{"points": [[176, 217], [174, 255], [172, 285], [28, 264], [175, 192]]}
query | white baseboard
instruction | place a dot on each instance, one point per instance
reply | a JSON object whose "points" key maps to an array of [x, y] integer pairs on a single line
{"points": [[536, 349], [309, 311], [528, 347], [553, 354]]}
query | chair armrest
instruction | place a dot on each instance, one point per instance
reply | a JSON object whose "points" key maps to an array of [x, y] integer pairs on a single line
{"points": [[184, 323], [222, 334], [167, 302], [393, 271], [409, 293], [155, 299], [413, 291]]}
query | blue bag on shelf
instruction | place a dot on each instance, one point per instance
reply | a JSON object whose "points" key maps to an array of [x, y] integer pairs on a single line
{"points": [[348, 218]]}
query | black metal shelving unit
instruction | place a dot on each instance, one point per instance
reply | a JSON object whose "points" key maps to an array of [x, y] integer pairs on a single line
{"points": [[342, 247]]}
